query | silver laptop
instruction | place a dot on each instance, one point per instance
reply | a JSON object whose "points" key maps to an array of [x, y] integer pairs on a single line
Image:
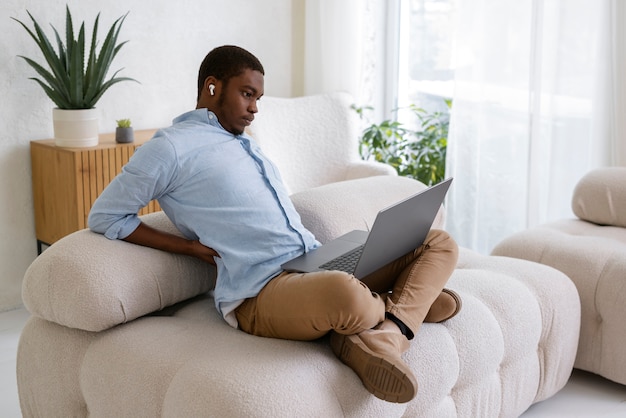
{"points": [[397, 230]]}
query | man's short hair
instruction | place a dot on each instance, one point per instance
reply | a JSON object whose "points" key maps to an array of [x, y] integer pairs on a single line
{"points": [[225, 62]]}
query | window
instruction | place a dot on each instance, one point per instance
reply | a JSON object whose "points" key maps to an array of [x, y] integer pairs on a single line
{"points": [[426, 67]]}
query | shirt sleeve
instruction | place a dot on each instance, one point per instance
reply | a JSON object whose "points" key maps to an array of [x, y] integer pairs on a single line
{"points": [[146, 176]]}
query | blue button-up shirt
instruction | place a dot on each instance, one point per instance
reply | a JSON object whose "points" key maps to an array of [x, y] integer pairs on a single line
{"points": [[215, 187]]}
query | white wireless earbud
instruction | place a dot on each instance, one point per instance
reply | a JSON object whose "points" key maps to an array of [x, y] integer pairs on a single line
{"points": [[212, 89]]}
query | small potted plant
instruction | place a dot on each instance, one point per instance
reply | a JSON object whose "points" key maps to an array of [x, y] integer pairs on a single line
{"points": [[75, 77], [124, 133]]}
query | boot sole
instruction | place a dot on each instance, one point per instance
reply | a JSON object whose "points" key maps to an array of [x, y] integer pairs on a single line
{"points": [[387, 379]]}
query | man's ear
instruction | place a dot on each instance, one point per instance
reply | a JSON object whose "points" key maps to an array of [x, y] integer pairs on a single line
{"points": [[211, 85], [206, 99]]}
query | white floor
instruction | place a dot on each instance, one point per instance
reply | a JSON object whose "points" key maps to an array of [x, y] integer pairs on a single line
{"points": [[585, 395], [11, 324]]}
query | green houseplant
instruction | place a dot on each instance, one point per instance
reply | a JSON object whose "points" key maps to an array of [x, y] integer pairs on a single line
{"points": [[417, 153], [76, 76]]}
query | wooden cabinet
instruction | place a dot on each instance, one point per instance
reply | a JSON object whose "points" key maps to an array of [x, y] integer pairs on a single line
{"points": [[66, 182]]}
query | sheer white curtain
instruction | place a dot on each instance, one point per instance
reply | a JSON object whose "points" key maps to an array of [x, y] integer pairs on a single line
{"points": [[345, 48], [333, 44], [614, 52], [536, 105]]}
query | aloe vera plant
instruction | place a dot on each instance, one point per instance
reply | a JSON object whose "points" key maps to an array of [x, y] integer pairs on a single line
{"points": [[76, 77]]}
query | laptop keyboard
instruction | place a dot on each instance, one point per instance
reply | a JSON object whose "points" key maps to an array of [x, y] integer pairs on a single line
{"points": [[346, 262]]}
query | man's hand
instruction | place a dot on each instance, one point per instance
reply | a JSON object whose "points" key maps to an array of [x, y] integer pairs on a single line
{"points": [[203, 252], [153, 238]]}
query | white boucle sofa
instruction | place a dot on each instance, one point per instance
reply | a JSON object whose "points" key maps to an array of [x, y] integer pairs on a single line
{"points": [[119, 330], [591, 250]]}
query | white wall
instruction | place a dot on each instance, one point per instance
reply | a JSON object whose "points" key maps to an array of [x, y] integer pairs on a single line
{"points": [[168, 40]]}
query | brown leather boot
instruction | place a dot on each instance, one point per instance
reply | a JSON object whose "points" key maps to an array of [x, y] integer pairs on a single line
{"points": [[375, 356], [447, 305]]}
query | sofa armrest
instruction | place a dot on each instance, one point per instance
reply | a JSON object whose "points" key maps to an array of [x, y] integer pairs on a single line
{"points": [[600, 197], [89, 282], [360, 169]]}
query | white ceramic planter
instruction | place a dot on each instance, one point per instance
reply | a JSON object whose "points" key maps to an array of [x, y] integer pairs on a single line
{"points": [[75, 128]]}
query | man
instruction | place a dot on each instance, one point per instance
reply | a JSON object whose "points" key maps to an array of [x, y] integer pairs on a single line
{"points": [[228, 200]]}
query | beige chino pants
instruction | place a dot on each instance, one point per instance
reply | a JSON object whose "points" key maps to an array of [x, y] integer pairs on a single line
{"points": [[306, 306]]}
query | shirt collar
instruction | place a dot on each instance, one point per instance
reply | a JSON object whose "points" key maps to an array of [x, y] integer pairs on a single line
{"points": [[204, 115], [199, 115]]}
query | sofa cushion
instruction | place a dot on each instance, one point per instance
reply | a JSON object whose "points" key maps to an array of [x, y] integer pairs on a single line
{"points": [[89, 282], [600, 197]]}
